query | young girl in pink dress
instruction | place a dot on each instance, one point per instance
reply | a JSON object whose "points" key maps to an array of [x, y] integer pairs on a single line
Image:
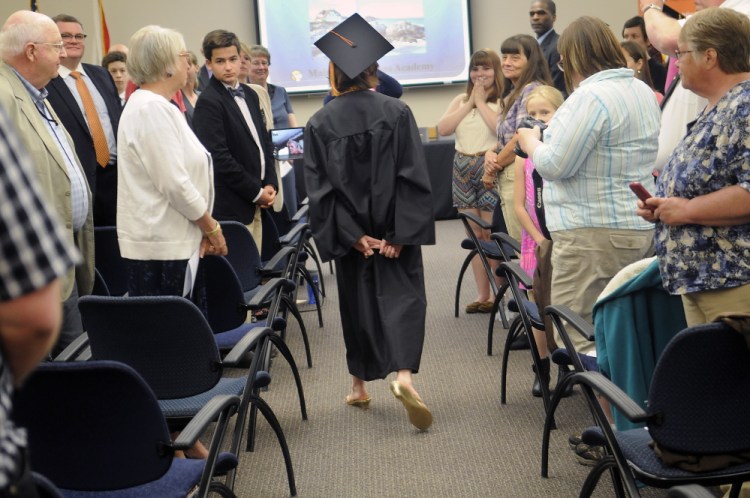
{"points": [[541, 104]]}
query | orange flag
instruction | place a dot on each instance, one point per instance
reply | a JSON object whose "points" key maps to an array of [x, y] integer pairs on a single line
{"points": [[105, 31]]}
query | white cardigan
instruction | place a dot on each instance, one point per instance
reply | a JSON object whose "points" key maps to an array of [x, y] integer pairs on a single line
{"points": [[165, 181]]}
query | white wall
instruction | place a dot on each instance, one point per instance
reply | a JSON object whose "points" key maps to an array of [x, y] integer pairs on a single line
{"points": [[492, 22]]}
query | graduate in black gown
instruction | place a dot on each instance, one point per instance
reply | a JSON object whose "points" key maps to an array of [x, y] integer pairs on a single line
{"points": [[370, 211]]}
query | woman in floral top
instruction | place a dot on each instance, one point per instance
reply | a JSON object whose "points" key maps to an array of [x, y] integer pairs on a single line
{"points": [[702, 203]]}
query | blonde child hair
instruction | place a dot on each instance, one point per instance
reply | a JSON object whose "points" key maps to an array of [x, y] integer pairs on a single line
{"points": [[548, 93]]}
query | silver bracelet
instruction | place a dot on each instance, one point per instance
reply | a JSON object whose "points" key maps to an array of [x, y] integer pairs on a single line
{"points": [[652, 6]]}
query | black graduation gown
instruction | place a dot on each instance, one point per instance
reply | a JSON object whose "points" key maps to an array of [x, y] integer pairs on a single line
{"points": [[365, 174]]}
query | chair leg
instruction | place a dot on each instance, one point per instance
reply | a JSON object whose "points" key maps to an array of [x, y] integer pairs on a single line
{"points": [[308, 279], [512, 333], [276, 426], [589, 485], [289, 304], [314, 254], [465, 265], [284, 350], [549, 423], [221, 490], [491, 325], [501, 292]]}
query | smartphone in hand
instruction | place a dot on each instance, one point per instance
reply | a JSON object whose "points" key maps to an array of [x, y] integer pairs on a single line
{"points": [[640, 191]]}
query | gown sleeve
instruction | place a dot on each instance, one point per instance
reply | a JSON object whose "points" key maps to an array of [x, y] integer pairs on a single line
{"points": [[413, 217]]}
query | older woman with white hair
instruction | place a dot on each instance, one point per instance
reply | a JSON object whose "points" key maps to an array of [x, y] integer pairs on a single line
{"points": [[165, 178]]}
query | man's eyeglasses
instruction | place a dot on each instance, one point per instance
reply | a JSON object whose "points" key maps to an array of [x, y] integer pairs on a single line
{"points": [[679, 53], [57, 46], [76, 37]]}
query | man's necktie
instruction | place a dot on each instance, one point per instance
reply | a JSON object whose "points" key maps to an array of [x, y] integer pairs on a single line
{"points": [[237, 92], [92, 116]]}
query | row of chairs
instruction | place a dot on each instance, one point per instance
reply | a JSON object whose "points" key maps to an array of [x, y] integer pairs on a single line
{"points": [[695, 406], [160, 357]]}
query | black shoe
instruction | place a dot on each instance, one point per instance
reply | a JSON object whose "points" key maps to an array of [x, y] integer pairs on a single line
{"points": [[536, 389], [589, 455], [520, 342], [563, 372]]}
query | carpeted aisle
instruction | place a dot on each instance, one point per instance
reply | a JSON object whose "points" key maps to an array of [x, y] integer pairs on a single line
{"points": [[476, 446]]}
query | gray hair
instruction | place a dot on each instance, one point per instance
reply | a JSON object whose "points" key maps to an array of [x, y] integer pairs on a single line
{"points": [[153, 54], [21, 28]]}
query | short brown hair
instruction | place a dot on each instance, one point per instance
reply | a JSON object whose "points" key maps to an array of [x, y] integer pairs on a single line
{"points": [[724, 30], [588, 46], [259, 51], [219, 38], [114, 57], [66, 18]]}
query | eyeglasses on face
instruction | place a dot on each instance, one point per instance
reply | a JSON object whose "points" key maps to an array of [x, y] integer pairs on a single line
{"points": [[539, 13], [57, 46], [71, 37], [679, 53]]}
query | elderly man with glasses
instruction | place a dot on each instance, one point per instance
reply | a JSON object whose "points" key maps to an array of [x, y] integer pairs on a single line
{"points": [[31, 48]]}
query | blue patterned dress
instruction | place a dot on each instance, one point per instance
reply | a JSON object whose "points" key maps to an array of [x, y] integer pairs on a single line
{"points": [[714, 154]]}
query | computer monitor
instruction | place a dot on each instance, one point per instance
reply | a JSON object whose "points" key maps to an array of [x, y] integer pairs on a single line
{"points": [[288, 143]]}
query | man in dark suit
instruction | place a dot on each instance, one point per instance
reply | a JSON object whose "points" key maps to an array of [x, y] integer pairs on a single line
{"points": [[94, 131], [229, 123], [204, 75], [542, 15], [634, 30]]}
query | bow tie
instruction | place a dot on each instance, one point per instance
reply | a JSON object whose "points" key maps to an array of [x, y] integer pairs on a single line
{"points": [[237, 92]]}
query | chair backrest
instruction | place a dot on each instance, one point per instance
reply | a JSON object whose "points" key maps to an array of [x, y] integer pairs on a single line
{"points": [[485, 249], [92, 426], [243, 254], [223, 294], [527, 309], [108, 260], [166, 339], [698, 395], [509, 247]]}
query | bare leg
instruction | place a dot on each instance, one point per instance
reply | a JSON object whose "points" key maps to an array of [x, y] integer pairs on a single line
{"points": [[359, 391], [480, 276], [197, 451], [540, 338]]}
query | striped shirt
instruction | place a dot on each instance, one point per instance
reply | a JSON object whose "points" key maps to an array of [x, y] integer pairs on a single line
{"points": [[33, 252], [79, 190], [603, 137]]}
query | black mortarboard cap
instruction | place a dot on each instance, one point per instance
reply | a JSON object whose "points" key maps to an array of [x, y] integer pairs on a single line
{"points": [[353, 45]]}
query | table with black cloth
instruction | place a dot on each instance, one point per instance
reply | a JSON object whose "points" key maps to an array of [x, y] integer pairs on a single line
{"points": [[439, 157]]}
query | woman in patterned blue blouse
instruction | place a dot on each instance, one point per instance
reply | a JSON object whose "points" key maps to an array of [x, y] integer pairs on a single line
{"points": [[702, 203]]}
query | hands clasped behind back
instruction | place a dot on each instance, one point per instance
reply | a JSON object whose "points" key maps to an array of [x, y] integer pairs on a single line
{"points": [[367, 245]]}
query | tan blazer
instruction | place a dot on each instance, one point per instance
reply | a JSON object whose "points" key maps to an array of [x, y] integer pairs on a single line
{"points": [[51, 172], [265, 106]]}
